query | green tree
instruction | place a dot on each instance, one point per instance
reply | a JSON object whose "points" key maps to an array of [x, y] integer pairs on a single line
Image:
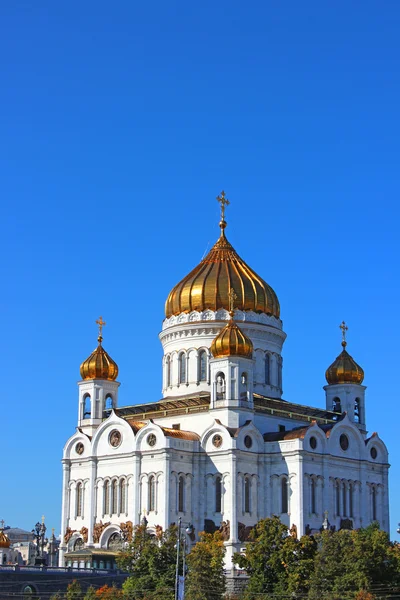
{"points": [[297, 558], [74, 591], [263, 559], [206, 579], [151, 561], [90, 594]]}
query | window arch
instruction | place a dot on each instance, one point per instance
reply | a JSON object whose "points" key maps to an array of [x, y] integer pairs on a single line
{"points": [[106, 497], [280, 372], [374, 503], [182, 367], [357, 410], [114, 488], [337, 491], [79, 499], [181, 494], [337, 405], [267, 369], [220, 383], [168, 371], [247, 489], [87, 406], [152, 493], [202, 365], [284, 495], [122, 496], [109, 402], [313, 497], [218, 494]]}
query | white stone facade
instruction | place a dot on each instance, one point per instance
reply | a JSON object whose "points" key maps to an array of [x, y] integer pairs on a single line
{"points": [[222, 447]]}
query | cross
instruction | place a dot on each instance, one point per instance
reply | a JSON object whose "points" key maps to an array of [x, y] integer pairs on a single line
{"points": [[2, 523], [223, 200], [232, 298], [43, 518], [344, 328], [101, 324]]}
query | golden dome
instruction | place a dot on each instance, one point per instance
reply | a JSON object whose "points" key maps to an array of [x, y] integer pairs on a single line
{"points": [[231, 341], [4, 540], [209, 284], [99, 365], [344, 369]]}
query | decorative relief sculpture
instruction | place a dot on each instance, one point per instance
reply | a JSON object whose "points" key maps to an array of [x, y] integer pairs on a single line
{"points": [[244, 531], [293, 531], [84, 533], [68, 534], [225, 530], [98, 530], [126, 531]]}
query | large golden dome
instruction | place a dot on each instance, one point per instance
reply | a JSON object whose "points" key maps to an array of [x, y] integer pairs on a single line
{"points": [[209, 284], [99, 365], [231, 341], [344, 369]]}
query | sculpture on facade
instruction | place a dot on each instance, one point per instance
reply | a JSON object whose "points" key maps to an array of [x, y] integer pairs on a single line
{"points": [[68, 534], [84, 533], [126, 531], [98, 530]]}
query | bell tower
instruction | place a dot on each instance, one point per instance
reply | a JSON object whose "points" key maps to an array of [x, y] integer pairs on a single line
{"points": [[344, 392], [98, 389]]}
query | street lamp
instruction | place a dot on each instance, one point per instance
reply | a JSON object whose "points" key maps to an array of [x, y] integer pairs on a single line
{"points": [[189, 530], [39, 532]]}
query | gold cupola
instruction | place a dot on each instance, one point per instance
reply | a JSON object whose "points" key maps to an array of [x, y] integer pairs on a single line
{"points": [[99, 365], [208, 285], [344, 369], [231, 341], [4, 539]]}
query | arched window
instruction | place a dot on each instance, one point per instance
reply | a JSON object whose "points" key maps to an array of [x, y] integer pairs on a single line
{"points": [[202, 365], [114, 488], [86, 406], [122, 496], [181, 494], [247, 488], [374, 503], [351, 500], [152, 493], [280, 373], [79, 499], [182, 368], [218, 494], [168, 370], [313, 498], [106, 497], [357, 411], [336, 405], [220, 386], [267, 369], [109, 402], [284, 495], [344, 494], [337, 490]]}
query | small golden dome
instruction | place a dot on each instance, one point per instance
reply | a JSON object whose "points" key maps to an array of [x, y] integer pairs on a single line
{"points": [[99, 365], [231, 341], [208, 285], [4, 540], [344, 369]]}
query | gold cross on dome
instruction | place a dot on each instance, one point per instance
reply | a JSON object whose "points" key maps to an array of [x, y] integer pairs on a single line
{"points": [[43, 517], [223, 200], [101, 324], [232, 298], [2, 524], [344, 328]]}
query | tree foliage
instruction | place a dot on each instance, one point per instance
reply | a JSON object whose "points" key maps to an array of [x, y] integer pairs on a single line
{"points": [[206, 579]]}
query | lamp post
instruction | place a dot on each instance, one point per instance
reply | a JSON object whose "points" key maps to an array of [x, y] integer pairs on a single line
{"points": [[189, 530], [39, 533]]}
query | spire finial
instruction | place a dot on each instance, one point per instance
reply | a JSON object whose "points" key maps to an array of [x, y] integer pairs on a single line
{"points": [[344, 328], [101, 324], [232, 298], [223, 200]]}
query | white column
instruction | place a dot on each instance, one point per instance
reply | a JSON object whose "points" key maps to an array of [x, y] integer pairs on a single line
{"points": [[167, 481], [91, 484], [64, 508], [234, 519], [135, 484]]}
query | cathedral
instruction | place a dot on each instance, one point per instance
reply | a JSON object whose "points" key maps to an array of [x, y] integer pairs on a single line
{"points": [[222, 449]]}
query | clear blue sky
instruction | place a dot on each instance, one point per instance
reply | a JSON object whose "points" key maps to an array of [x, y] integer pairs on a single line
{"points": [[120, 123]]}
